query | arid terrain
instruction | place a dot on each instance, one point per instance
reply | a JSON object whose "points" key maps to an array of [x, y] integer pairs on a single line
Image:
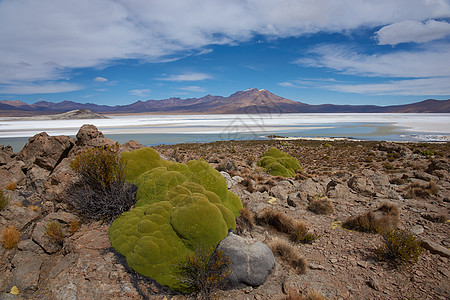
{"points": [[355, 176]]}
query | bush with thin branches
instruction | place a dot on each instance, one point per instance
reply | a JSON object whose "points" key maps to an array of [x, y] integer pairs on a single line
{"points": [[102, 191], [203, 272], [400, 247]]}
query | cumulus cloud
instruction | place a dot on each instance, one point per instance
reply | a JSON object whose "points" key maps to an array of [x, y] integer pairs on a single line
{"points": [[427, 62], [412, 31], [52, 37], [142, 93], [187, 77], [100, 79]]}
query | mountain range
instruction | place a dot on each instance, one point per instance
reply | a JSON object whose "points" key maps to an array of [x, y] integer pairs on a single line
{"points": [[251, 101]]}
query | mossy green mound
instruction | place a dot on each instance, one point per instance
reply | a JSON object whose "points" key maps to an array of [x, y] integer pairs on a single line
{"points": [[278, 163], [180, 207]]}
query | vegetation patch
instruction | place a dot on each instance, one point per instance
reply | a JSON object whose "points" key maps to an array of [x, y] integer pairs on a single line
{"points": [[296, 230], [385, 218], [399, 247], [321, 206], [102, 191], [203, 272], [289, 254], [55, 231], [278, 163], [10, 237], [180, 207], [3, 200]]}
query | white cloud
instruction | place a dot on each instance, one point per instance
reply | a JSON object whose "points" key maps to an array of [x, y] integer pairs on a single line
{"points": [[423, 86], [100, 79], [142, 93], [412, 31], [427, 62], [41, 88], [187, 77], [46, 39], [197, 89]]}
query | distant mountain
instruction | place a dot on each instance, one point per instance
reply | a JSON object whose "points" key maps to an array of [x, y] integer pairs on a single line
{"points": [[251, 101]]}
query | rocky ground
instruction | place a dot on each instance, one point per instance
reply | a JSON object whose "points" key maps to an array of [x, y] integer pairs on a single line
{"points": [[341, 264]]}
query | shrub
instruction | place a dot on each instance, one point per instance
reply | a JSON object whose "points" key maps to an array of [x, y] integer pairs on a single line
{"points": [[11, 186], [203, 272], [417, 190], [278, 163], [326, 145], [10, 237], [248, 183], [433, 187], [55, 231], [373, 223], [321, 206], [3, 200], [287, 253], [101, 192], [399, 247]]}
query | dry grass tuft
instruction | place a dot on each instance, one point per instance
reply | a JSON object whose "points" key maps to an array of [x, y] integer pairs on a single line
{"points": [[296, 230], [372, 222], [11, 186], [3, 200], [245, 221], [321, 206], [55, 231], [10, 237], [288, 253], [417, 190], [34, 208], [74, 226], [248, 183]]}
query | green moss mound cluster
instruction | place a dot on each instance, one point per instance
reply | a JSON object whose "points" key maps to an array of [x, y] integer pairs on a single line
{"points": [[180, 207], [278, 163]]}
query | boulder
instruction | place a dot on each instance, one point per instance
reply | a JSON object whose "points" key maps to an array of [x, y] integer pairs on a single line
{"points": [[227, 179], [6, 154], [18, 216], [251, 261], [58, 182], [361, 185], [36, 178], [26, 268], [43, 240], [86, 133], [393, 147], [45, 151], [12, 172], [130, 146]]}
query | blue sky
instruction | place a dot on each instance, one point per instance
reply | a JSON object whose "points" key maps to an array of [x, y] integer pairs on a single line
{"points": [[314, 51]]}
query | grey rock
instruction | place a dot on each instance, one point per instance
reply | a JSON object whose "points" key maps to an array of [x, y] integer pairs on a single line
{"points": [[237, 179], [45, 151], [36, 178], [417, 229], [361, 185], [373, 283], [29, 245], [130, 146], [18, 216], [425, 176], [11, 172], [26, 268], [251, 261], [6, 154], [280, 192], [228, 179], [86, 133], [39, 236], [435, 248]]}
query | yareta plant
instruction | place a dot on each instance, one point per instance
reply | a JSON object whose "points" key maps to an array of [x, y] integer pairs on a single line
{"points": [[278, 163], [180, 207]]}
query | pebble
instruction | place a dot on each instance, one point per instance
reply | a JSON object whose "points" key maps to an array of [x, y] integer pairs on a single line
{"points": [[417, 229]]}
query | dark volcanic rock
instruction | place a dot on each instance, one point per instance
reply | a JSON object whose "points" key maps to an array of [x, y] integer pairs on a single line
{"points": [[45, 151]]}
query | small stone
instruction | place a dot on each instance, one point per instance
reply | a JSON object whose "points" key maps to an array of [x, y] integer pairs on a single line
{"points": [[333, 260], [417, 229], [362, 264], [313, 266], [435, 248]]}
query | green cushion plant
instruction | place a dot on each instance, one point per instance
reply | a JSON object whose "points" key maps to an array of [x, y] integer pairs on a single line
{"points": [[278, 163], [180, 207]]}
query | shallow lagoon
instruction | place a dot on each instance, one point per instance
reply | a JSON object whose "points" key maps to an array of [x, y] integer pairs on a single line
{"points": [[170, 129]]}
